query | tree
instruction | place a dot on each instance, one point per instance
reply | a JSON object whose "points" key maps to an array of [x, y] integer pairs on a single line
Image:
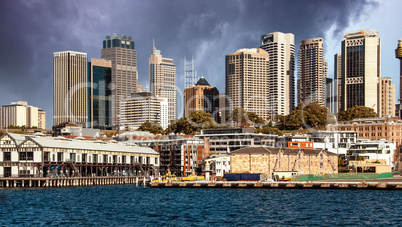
{"points": [[253, 117], [356, 112], [269, 130], [201, 120], [312, 115], [152, 127], [181, 126]]}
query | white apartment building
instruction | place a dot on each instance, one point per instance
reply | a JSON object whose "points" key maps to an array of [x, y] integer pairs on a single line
{"points": [[381, 151], [21, 114], [281, 50]]}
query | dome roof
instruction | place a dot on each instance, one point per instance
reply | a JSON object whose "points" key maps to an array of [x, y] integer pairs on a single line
{"points": [[202, 81]]}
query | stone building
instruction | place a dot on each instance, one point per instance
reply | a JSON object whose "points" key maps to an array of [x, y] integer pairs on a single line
{"points": [[268, 160]]}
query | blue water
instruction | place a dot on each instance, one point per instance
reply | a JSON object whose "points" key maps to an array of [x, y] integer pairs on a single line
{"points": [[127, 205]]}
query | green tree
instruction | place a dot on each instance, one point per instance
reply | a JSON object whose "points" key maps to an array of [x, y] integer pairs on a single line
{"points": [[253, 117], [152, 127], [181, 126], [1, 133], [269, 130], [356, 112], [312, 115]]}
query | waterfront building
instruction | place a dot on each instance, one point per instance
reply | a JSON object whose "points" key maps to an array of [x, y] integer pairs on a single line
{"points": [[20, 114], [247, 84], [178, 155], [380, 151], [311, 86], [140, 108], [227, 140], [387, 97], [201, 97], [281, 50], [219, 164], [40, 156], [162, 80], [120, 50], [268, 160], [361, 74], [70, 87], [99, 94]]}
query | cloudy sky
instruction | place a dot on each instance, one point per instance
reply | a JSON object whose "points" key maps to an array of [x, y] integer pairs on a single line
{"points": [[32, 30]]}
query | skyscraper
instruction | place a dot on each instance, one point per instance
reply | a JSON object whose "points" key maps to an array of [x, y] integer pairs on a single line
{"points": [[99, 93], [361, 74], [119, 49], [281, 50], [247, 84], [398, 54], [162, 80], [70, 92], [202, 97], [312, 72], [338, 81], [387, 97]]}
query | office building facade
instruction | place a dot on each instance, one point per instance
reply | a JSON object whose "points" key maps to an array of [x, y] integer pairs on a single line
{"points": [[162, 80], [312, 72], [387, 97], [247, 84], [70, 93], [361, 71], [99, 93], [281, 50], [120, 50]]}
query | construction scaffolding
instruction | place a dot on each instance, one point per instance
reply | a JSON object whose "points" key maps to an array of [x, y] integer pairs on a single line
{"points": [[190, 74]]}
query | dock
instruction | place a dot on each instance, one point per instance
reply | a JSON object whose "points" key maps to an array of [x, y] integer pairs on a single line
{"points": [[46, 182], [280, 185]]}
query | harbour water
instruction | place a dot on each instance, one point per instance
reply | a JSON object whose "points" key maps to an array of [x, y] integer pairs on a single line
{"points": [[127, 205]]}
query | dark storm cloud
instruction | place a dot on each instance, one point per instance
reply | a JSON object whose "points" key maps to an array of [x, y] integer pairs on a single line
{"points": [[33, 30]]}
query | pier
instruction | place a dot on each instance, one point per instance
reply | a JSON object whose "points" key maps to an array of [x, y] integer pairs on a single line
{"points": [[46, 182], [281, 185]]}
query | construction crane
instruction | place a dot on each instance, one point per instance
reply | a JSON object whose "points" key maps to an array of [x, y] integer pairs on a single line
{"points": [[207, 165]]}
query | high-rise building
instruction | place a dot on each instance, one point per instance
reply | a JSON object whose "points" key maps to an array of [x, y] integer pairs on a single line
{"points": [[398, 54], [281, 50], [312, 72], [338, 81], [203, 97], [99, 94], [162, 80], [70, 93], [163, 116], [361, 71], [387, 97], [140, 108], [119, 49], [329, 94], [20, 114], [247, 84]]}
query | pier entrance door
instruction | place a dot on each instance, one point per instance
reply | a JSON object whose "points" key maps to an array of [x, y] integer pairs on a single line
{"points": [[7, 171]]}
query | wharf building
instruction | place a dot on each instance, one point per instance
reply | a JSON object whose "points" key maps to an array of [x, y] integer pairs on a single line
{"points": [[120, 50], [39, 156], [281, 50], [247, 84], [387, 97], [162, 80], [70, 88], [201, 97], [20, 114], [140, 108], [361, 71], [178, 155], [311, 84], [230, 139], [270, 160], [99, 94]]}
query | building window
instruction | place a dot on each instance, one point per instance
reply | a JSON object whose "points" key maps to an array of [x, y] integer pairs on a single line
{"points": [[7, 156]]}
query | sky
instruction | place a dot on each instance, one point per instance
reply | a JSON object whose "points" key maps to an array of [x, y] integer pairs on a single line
{"points": [[32, 30]]}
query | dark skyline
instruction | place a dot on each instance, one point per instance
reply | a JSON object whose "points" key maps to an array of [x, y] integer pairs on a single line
{"points": [[33, 30]]}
